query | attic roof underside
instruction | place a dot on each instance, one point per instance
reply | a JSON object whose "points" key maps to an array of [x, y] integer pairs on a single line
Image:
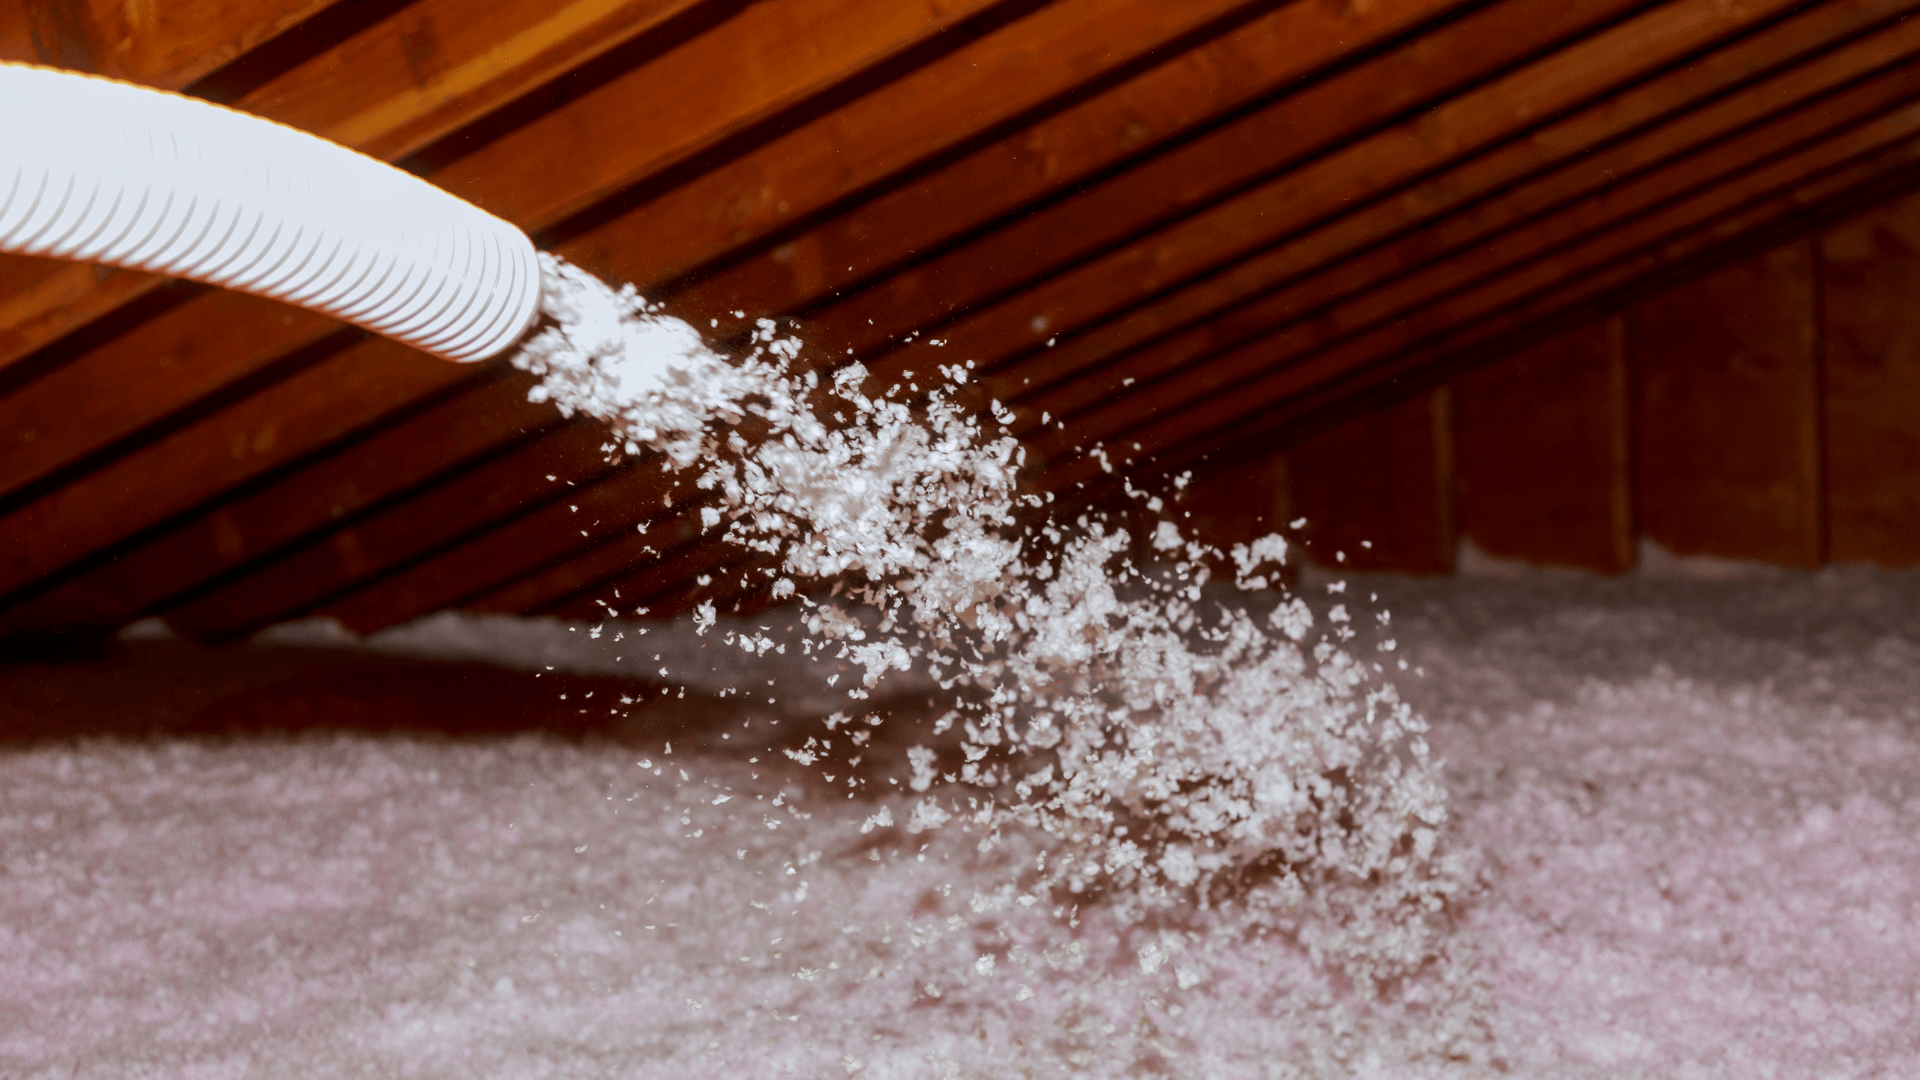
{"points": [[1174, 229]]}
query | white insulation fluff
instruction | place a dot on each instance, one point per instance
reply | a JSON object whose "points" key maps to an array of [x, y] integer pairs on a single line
{"points": [[1694, 810]]}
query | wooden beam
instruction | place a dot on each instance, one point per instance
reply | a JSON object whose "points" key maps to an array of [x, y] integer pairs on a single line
{"points": [[1372, 490], [672, 585], [340, 486], [434, 67], [762, 59], [509, 551], [504, 490], [1332, 262], [970, 92], [1215, 231], [166, 45], [564, 581], [147, 371], [1869, 275], [323, 402], [43, 299], [1542, 449], [1511, 281], [1726, 412]]}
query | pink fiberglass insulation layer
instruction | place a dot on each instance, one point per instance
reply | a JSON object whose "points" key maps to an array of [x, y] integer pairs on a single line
{"points": [[1693, 810]]}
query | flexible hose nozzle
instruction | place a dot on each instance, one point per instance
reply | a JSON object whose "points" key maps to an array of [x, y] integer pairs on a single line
{"points": [[101, 171]]}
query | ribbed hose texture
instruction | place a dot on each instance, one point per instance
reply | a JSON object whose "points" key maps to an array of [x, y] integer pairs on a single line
{"points": [[101, 171]]}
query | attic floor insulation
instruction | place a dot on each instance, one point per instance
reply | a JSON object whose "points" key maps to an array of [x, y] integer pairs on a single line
{"points": [[1692, 809]]}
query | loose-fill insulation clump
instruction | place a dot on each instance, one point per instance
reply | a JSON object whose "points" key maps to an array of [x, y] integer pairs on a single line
{"points": [[1172, 755]]}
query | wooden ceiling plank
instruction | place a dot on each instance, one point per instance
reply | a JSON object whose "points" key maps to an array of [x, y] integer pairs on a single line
{"points": [[443, 437], [1204, 315], [1202, 171], [43, 299], [1292, 327], [667, 587], [947, 103], [506, 553], [385, 91], [1326, 187], [1180, 186], [615, 563], [618, 559], [163, 364], [324, 402], [766, 57], [513, 489], [435, 66], [1685, 232], [165, 45]]}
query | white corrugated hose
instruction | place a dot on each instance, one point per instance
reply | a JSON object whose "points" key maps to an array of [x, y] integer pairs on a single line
{"points": [[101, 171]]}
